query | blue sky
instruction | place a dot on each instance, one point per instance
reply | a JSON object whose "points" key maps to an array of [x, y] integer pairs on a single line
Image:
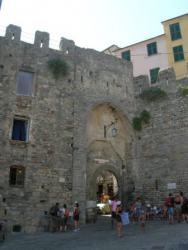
{"points": [[93, 24]]}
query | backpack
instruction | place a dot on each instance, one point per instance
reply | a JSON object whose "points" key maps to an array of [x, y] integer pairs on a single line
{"points": [[53, 211]]}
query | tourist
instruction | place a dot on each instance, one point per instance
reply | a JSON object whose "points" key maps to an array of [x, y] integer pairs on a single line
{"points": [[170, 205], [178, 202], [148, 210], [113, 204], [65, 217], [138, 205], [184, 210], [119, 225], [54, 218], [76, 214], [142, 217]]}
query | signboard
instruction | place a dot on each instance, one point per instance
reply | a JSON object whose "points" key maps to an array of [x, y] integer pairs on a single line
{"points": [[101, 161], [62, 179], [171, 185]]}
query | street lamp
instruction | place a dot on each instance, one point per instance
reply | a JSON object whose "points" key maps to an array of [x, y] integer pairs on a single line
{"points": [[111, 126]]}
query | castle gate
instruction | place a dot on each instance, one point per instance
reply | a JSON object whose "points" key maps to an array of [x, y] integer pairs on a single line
{"points": [[109, 139]]}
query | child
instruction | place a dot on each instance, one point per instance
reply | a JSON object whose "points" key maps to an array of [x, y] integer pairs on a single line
{"points": [[142, 218]]}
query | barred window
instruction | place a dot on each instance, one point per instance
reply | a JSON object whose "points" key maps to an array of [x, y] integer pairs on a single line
{"points": [[16, 176]]}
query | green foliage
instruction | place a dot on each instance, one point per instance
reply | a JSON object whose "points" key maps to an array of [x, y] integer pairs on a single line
{"points": [[184, 90], [143, 118], [137, 123], [152, 94], [58, 67]]}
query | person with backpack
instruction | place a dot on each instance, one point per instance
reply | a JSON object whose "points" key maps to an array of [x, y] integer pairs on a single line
{"points": [[76, 214], [54, 218]]}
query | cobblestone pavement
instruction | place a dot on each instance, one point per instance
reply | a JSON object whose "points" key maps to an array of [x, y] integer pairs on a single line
{"points": [[158, 235]]}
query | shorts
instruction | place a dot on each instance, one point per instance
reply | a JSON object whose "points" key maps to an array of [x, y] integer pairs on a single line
{"points": [[138, 211], [113, 215], [171, 211], [118, 218], [178, 208]]}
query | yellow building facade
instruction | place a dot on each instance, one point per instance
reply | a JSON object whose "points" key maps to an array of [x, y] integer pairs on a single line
{"points": [[176, 32]]}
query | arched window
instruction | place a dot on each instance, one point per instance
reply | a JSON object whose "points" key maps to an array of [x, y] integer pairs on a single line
{"points": [[16, 177]]}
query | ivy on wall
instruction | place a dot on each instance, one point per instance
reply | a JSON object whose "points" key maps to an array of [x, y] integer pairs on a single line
{"points": [[139, 120], [58, 67], [152, 94], [184, 90], [137, 123]]}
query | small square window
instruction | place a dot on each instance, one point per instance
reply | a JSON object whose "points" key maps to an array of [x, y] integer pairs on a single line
{"points": [[126, 55], [152, 48], [24, 83], [175, 31], [20, 129], [16, 176], [154, 74], [178, 53]]}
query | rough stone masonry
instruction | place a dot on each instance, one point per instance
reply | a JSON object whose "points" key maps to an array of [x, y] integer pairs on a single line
{"points": [[68, 121]]}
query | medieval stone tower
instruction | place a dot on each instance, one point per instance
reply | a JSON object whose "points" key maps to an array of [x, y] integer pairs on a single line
{"points": [[62, 137]]}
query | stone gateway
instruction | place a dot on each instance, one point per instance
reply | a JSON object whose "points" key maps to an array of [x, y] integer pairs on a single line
{"points": [[66, 130]]}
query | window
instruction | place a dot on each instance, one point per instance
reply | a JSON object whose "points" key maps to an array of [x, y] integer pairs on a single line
{"points": [[154, 74], [175, 31], [24, 83], [178, 53], [126, 55], [20, 129], [16, 177], [152, 48]]}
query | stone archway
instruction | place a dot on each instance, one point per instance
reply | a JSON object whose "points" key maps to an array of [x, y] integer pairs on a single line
{"points": [[104, 171], [109, 137]]}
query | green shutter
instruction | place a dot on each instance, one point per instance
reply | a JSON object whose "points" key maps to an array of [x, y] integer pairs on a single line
{"points": [[175, 31], [152, 48], [154, 74], [126, 55], [178, 53]]}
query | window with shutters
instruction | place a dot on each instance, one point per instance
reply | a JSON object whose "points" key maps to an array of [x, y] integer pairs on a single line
{"points": [[20, 129], [178, 53], [24, 83], [152, 48], [126, 55], [175, 31], [154, 75]]}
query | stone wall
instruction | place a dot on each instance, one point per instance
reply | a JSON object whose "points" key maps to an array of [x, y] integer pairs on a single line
{"points": [[55, 155], [66, 129], [162, 144]]}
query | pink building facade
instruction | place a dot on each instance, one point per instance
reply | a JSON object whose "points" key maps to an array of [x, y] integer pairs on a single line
{"points": [[148, 57]]}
